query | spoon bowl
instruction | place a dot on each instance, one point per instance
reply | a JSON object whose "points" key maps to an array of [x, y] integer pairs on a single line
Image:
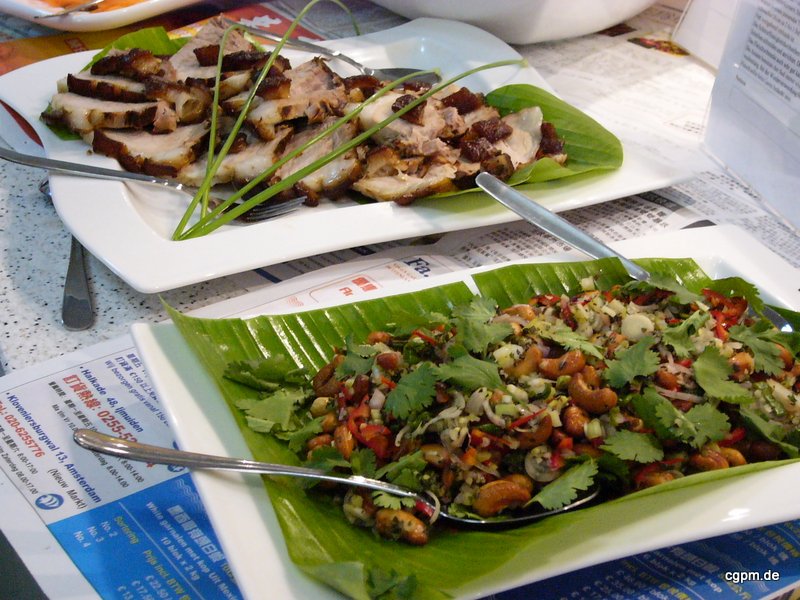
{"points": [[127, 449]]}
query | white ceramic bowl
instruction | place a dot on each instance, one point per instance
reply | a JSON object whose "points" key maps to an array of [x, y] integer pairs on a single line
{"points": [[525, 21]]}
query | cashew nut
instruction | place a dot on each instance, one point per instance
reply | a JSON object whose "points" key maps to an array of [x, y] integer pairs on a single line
{"points": [[319, 441], [379, 337], [524, 311], [389, 361], [596, 401], [325, 382], [656, 478], [498, 495], [531, 439], [529, 362], [402, 525], [521, 480], [435, 454], [667, 380], [568, 364], [574, 419], [733, 456]]}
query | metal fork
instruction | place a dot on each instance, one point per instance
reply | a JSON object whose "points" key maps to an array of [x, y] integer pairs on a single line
{"points": [[385, 74], [260, 212]]}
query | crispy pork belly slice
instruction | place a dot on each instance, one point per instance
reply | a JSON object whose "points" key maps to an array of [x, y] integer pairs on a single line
{"points": [[242, 166], [160, 155], [184, 61], [331, 180], [104, 87], [405, 188], [135, 63], [409, 138], [523, 142], [82, 115], [315, 93], [191, 102]]}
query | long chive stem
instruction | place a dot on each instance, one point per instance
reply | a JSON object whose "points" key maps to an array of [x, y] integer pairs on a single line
{"points": [[214, 166], [209, 224]]}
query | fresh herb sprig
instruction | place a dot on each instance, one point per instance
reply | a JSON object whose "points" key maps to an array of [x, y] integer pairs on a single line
{"points": [[213, 165]]}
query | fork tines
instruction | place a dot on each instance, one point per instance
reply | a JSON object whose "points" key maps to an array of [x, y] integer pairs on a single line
{"points": [[262, 212]]}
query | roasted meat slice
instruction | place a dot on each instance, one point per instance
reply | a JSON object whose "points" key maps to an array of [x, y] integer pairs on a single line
{"points": [[420, 137], [184, 61], [82, 114], [315, 93], [404, 188], [104, 87], [331, 180], [160, 155], [522, 143], [250, 159], [134, 64], [190, 101]]}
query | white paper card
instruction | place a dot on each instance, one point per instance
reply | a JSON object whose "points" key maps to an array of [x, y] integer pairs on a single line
{"points": [[754, 121]]}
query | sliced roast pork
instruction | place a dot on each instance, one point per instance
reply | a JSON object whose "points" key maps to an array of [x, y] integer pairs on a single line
{"points": [[184, 62], [244, 163], [105, 87], [160, 155], [404, 188], [315, 93], [334, 178], [83, 115]]}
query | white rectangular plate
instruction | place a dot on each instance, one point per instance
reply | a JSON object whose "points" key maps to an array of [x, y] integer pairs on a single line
{"points": [[246, 524], [90, 21], [128, 226]]}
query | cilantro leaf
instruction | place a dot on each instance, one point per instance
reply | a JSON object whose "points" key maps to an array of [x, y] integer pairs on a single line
{"points": [[473, 328], [761, 339], [565, 489], [363, 462], [358, 359], [701, 424], [772, 432], [326, 458], [414, 392], [564, 336], [470, 373], [679, 337], [711, 370], [407, 322], [629, 445], [278, 407], [638, 360], [663, 282], [736, 286], [297, 439], [266, 374], [385, 500], [405, 471]]}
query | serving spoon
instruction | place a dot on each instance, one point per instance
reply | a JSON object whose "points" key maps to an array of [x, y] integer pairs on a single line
{"points": [[565, 231], [121, 448]]}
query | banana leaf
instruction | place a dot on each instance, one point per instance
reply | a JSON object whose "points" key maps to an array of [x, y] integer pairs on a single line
{"points": [[353, 560]]}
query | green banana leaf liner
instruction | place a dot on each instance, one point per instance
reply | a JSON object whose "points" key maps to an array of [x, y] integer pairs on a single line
{"points": [[354, 560]]}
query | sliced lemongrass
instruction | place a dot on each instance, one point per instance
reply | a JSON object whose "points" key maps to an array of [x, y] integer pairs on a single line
{"points": [[214, 166], [223, 206], [206, 226]]}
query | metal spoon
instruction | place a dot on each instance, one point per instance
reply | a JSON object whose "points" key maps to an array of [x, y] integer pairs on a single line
{"points": [[577, 238], [114, 446]]}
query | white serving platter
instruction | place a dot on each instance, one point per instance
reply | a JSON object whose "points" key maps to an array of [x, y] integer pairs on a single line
{"points": [[90, 21], [128, 226], [248, 529]]}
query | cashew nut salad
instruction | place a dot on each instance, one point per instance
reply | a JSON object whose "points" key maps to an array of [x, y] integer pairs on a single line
{"points": [[528, 407]]}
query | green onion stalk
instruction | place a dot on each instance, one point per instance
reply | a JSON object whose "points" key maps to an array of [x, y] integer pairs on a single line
{"points": [[213, 165], [212, 222]]}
